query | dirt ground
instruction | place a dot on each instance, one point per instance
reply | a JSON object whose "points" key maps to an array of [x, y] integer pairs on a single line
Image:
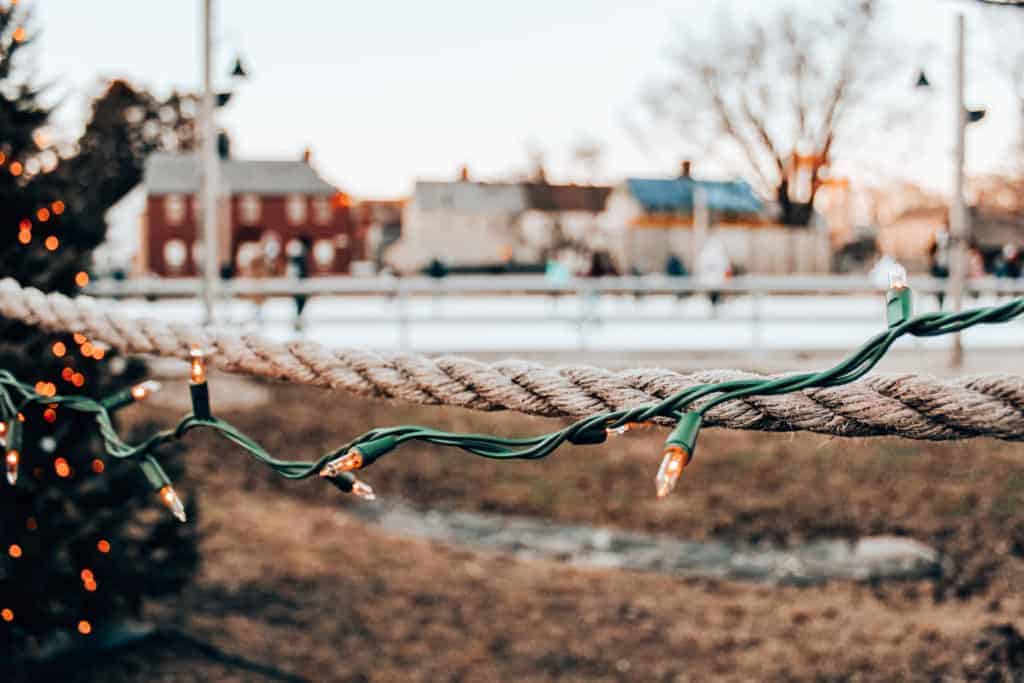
{"points": [[289, 582]]}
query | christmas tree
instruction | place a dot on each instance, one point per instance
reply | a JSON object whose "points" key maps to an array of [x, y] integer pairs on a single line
{"points": [[83, 541]]}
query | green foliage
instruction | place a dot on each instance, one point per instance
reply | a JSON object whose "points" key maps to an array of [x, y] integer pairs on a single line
{"points": [[73, 509]]}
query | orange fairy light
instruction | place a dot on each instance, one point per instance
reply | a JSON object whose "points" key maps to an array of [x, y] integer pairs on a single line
{"points": [[87, 349], [51, 243], [63, 469], [90, 586], [197, 366], [84, 627], [14, 551], [24, 224], [43, 214], [31, 524], [16, 168], [87, 575], [103, 545], [40, 387], [3, 158], [19, 34], [57, 207], [66, 374], [7, 614], [98, 353], [80, 338], [98, 466], [59, 349], [25, 236], [82, 278], [78, 379], [50, 415]]}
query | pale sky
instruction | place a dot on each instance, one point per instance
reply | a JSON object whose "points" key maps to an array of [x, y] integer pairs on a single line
{"points": [[389, 91]]}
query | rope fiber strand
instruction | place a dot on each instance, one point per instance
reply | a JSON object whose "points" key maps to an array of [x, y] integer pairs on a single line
{"points": [[989, 406], [906, 405]]}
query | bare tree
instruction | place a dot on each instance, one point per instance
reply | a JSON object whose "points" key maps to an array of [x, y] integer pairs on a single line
{"points": [[778, 91], [1007, 56]]}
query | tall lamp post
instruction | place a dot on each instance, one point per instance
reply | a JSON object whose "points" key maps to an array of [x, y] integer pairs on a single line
{"points": [[958, 225], [959, 221], [208, 175], [209, 166]]}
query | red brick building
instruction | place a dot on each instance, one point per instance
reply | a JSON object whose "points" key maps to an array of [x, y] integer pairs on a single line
{"points": [[267, 211]]}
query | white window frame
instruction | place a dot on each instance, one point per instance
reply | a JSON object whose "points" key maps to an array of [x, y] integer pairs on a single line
{"points": [[296, 208], [322, 211], [250, 207], [175, 208], [172, 246]]}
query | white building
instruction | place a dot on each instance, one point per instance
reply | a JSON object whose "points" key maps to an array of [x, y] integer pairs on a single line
{"points": [[471, 224]]}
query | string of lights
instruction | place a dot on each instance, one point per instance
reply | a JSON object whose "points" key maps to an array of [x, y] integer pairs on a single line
{"points": [[685, 410]]}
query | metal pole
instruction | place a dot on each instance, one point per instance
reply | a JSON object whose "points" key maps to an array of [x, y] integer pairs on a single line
{"points": [[208, 174], [957, 211]]}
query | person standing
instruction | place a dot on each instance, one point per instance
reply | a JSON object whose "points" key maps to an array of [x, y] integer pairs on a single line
{"points": [[297, 267]]}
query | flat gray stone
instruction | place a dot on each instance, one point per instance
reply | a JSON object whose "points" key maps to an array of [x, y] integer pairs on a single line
{"points": [[874, 558]]}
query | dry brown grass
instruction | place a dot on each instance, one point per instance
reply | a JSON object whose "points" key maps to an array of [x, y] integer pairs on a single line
{"points": [[288, 580]]}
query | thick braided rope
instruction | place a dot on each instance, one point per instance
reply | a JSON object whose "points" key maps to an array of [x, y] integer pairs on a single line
{"points": [[906, 405]]}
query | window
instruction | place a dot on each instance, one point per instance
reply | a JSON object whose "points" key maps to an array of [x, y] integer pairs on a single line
{"points": [[323, 254], [294, 248], [321, 211], [246, 257], [174, 209], [249, 209], [175, 254], [295, 207], [271, 246]]}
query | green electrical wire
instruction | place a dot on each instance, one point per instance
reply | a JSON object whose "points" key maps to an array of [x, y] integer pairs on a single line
{"points": [[685, 408]]}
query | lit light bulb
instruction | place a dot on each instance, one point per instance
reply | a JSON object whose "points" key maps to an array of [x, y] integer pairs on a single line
{"points": [[197, 369], [898, 277], [142, 390], [628, 427], [352, 460], [360, 489], [672, 465], [173, 502], [899, 304], [13, 458], [363, 455], [679, 449]]}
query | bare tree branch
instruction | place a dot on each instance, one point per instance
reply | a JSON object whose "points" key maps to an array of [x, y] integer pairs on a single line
{"points": [[775, 86]]}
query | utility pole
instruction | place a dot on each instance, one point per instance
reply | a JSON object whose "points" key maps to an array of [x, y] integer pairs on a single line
{"points": [[208, 174], [958, 219]]}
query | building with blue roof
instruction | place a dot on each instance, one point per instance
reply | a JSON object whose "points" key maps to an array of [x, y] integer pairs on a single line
{"points": [[649, 220], [677, 196]]}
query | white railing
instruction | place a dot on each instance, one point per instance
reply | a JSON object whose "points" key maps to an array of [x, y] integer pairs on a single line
{"points": [[399, 297]]}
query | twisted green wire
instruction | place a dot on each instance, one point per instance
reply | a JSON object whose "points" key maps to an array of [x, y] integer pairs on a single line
{"points": [[15, 396]]}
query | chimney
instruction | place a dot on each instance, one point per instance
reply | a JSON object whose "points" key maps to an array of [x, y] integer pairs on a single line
{"points": [[684, 168], [307, 154], [464, 173]]}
